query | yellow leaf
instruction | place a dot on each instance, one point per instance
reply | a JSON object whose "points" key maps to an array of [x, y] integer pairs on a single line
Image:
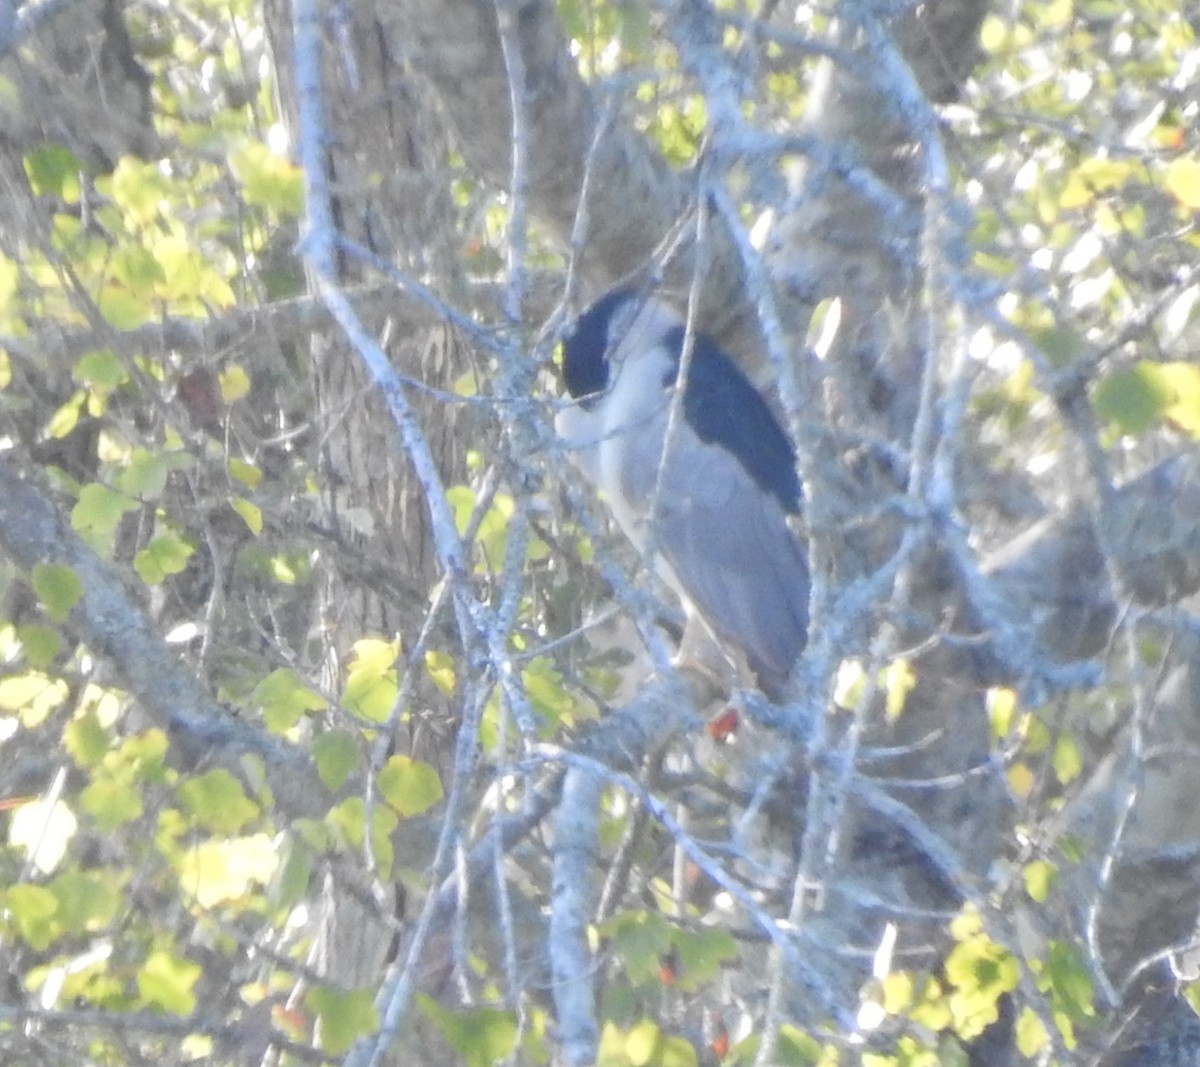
{"points": [[251, 513], [235, 383], [218, 871], [1183, 181], [898, 679]]}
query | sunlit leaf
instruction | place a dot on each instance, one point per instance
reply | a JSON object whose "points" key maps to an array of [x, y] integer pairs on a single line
{"points": [[899, 679], [43, 830], [217, 801], [139, 189], [111, 803], [285, 699], [371, 683], [1040, 877], [123, 309], [32, 909], [1183, 181], [167, 981], [216, 872], [32, 694], [410, 786], [234, 383]]}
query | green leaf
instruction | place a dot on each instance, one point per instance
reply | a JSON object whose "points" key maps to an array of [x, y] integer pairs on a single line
{"points": [[101, 371], [285, 699], [167, 981], [441, 670], [98, 511], [1138, 397], [343, 1016], [409, 785], [639, 939], [1068, 764], [701, 954], [336, 753], [1191, 993], [1061, 345], [140, 757], [482, 1036], [167, 554], [139, 189], [797, 1049], [32, 910], [217, 801], [145, 474], [54, 171], [547, 693], [1066, 977], [122, 309], [87, 901], [292, 879], [64, 420], [58, 588], [140, 274], [183, 269], [85, 739], [246, 473], [677, 1052], [1133, 399], [268, 181], [111, 803], [349, 818], [40, 645]]}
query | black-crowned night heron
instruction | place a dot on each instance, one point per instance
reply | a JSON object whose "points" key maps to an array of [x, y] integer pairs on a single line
{"points": [[720, 536]]}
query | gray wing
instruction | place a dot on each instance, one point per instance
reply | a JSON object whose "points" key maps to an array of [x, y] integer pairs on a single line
{"points": [[733, 555]]}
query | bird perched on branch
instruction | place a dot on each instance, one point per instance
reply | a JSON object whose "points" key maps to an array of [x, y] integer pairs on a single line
{"points": [[713, 516]]}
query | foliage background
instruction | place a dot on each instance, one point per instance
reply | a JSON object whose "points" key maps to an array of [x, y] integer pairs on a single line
{"points": [[339, 727]]}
